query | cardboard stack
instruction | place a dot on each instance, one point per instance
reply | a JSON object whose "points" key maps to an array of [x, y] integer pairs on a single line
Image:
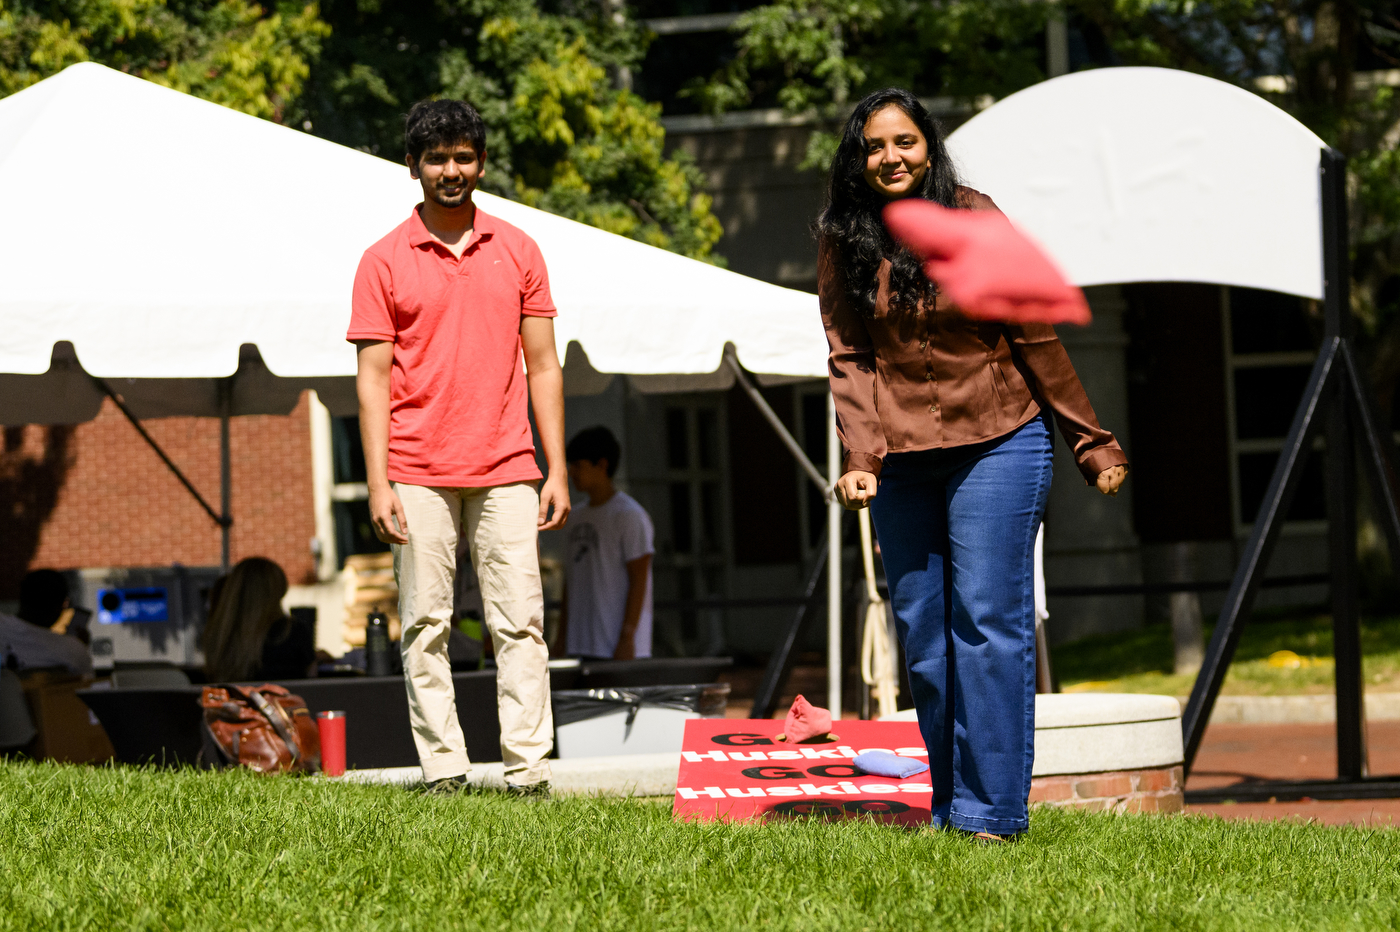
{"points": [[369, 586]]}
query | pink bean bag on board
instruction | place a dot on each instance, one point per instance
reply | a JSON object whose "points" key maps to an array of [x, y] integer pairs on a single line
{"points": [[805, 720], [986, 266]]}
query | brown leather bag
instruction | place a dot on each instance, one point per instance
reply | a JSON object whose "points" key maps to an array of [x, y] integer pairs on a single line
{"points": [[263, 728]]}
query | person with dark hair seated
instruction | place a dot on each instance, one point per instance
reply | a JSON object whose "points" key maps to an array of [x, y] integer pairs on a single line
{"points": [[248, 636], [26, 641]]}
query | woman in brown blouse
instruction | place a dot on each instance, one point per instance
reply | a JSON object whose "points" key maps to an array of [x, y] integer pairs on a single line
{"points": [[944, 422]]}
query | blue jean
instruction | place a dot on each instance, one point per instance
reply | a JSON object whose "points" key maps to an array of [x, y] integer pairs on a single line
{"points": [[957, 532]]}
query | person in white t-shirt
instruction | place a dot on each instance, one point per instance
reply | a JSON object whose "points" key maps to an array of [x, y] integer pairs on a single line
{"points": [[607, 597]]}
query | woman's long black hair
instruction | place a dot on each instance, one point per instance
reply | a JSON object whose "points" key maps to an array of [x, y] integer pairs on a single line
{"points": [[851, 218]]}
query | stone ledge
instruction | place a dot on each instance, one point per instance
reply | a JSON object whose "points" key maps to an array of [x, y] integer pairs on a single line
{"points": [[1158, 789], [623, 775], [1101, 732], [1074, 710], [1107, 748], [1146, 790]]}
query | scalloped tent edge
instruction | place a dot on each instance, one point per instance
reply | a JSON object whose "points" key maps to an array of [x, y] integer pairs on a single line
{"points": [[252, 284]]}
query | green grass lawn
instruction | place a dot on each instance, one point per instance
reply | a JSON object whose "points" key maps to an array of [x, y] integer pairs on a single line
{"points": [[1141, 661], [124, 848]]}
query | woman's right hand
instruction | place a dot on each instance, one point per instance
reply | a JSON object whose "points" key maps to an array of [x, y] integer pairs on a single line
{"points": [[855, 489]]}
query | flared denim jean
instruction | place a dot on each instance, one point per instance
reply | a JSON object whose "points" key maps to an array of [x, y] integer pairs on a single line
{"points": [[957, 531]]}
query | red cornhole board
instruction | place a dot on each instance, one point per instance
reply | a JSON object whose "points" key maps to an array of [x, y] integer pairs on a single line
{"points": [[738, 770]]}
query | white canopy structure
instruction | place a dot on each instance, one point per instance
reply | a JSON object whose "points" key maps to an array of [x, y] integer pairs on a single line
{"points": [[1151, 174], [160, 235], [200, 262]]}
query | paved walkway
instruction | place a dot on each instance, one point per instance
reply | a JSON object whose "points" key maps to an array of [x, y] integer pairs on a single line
{"points": [[1235, 753]]}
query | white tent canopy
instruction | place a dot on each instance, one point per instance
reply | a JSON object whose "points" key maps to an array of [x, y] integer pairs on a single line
{"points": [[217, 233], [1151, 174]]}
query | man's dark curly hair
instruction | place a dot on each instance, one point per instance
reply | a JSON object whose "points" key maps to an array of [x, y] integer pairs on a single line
{"points": [[441, 123], [593, 444], [852, 222]]}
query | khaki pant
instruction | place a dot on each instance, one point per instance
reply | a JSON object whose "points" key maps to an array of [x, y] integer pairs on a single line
{"points": [[500, 524]]}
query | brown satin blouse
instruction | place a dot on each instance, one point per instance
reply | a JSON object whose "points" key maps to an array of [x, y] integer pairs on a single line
{"points": [[924, 381]]}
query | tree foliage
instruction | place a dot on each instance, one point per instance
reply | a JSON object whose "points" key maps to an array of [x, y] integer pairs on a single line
{"points": [[562, 136], [818, 54], [231, 52]]}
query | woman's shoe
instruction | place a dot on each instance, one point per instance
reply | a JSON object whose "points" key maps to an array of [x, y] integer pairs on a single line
{"points": [[988, 839]]}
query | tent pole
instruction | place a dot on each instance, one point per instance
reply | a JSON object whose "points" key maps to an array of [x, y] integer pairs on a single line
{"points": [[777, 424], [226, 522], [164, 457], [833, 564]]}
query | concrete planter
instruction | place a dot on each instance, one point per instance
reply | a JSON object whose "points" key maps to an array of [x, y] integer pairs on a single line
{"points": [[1120, 752]]}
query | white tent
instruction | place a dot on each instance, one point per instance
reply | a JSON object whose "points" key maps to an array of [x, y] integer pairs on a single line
{"points": [[158, 234], [1151, 174], [200, 262]]}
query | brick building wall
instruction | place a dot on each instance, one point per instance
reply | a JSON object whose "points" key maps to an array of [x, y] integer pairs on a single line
{"points": [[97, 495]]}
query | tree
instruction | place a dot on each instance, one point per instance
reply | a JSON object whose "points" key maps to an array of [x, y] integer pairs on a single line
{"points": [[815, 55], [561, 137], [231, 52]]}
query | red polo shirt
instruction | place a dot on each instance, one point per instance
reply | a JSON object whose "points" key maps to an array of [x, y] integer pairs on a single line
{"points": [[457, 394]]}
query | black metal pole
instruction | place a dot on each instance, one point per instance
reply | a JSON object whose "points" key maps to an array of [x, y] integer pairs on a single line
{"points": [[1239, 599], [1346, 616], [1341, 476], [222, 520], [775, 675], [1377, 452], [225, 471]]}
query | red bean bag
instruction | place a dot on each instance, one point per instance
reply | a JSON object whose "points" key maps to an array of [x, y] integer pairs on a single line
{"points": [[805, 721], [986, 266]]}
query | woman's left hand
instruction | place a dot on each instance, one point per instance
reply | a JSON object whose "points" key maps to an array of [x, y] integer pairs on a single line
{"points": [[1111, 478]]}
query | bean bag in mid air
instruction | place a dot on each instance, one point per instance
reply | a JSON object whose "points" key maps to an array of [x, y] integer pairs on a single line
{"points": [[986, 266]]}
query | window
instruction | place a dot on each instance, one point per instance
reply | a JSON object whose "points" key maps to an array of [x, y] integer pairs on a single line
{"points": [[1271, 343], [692, 42], [349, 492], [693, 551]]}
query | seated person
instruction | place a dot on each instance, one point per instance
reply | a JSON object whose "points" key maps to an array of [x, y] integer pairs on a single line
{"points": [[607, 595], [25, 639], [248, 636]]}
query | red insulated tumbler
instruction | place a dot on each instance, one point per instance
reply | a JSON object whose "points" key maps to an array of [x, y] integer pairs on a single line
{"points": [[331, 725]]}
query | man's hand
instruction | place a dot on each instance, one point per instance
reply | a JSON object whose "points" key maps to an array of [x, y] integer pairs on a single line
{"points": [[626, 647], [384, 509], [555, 491], [375, 359], [546, 380], [856, 488], [1110, 479]]}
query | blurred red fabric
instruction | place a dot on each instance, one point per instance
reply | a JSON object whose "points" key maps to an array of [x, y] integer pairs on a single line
{"points": [[986, 267]]}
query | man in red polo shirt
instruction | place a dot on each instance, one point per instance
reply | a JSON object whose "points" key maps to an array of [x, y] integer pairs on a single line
{"points": [[443, 309]]}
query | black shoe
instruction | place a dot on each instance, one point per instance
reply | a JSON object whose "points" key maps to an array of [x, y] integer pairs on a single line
{"points": [[447, 786], [530, 792]]}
